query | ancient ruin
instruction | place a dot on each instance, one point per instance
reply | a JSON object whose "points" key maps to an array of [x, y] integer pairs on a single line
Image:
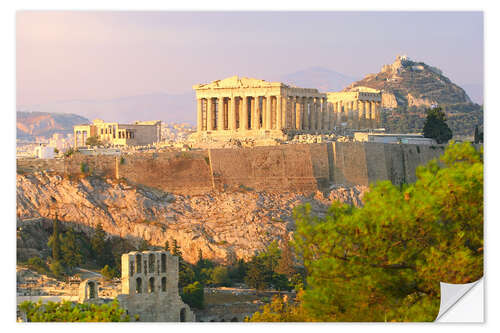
{"points": [[136, 134], [357, 109], [244, 107], [149, 288]]}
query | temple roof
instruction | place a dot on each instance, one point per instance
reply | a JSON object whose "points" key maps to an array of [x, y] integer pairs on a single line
{"points": [[239, 82]]}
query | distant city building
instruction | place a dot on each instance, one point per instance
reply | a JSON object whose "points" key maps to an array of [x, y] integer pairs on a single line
{"points": [[416, 139], [140, 133], [44, 152]]}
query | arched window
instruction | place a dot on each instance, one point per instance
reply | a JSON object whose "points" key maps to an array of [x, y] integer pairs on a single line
{"points": [[163, 284], [131, 268], [138, 285], [138, 262], [151, 263], [183, 315], [163, 262], [92, 291], [151, 286]]}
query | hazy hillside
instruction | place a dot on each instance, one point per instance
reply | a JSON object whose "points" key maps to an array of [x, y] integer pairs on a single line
{"points": [[32, 124], [318, 77], [410, 87], [158, 106]]}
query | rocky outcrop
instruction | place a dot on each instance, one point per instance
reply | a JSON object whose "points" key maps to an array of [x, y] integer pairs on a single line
{"points": [[412, 83], [224, 225]]}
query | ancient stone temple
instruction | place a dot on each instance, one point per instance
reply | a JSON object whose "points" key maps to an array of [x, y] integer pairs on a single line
{"points": [[244, 107], [358, 108]]}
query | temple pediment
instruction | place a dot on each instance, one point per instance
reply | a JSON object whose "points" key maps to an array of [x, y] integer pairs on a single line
{"points": [[238, 82]]}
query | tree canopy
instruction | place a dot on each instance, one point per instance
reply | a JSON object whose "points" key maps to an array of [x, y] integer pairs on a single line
{"points": [[384, 261], [435, 126], [73, 312]]}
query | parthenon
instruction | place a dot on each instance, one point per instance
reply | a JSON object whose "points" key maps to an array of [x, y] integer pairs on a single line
{"points": [[243, 107]]}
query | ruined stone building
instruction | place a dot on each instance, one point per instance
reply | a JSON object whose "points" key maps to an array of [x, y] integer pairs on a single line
{"points": [[358, 108], [149, 288], [140, 133], [243, 107]]}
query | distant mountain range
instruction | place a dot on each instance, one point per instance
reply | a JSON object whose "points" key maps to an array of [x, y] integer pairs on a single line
{"points": [[33, 124], [318, 77]]}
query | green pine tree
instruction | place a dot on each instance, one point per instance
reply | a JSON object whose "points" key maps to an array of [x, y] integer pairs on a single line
{"points": [[435, 126]]}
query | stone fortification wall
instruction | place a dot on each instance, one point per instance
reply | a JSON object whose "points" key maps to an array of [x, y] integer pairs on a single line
{"points": [[177, 172], [287, 167], [358, 163], [298, 167]]}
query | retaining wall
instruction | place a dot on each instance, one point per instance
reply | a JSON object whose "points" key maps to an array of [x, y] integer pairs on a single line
{"points": [[298, 167]]}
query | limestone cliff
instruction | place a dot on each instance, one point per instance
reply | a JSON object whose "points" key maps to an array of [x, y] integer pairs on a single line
{"points": [[223, 225]]}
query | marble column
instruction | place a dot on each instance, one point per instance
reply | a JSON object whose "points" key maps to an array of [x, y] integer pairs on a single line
{"points": [[198, 113], [293, 112], [220, 114], [210, 115], [306, 123], [299, 113], [279, 120], [232, 114], [319, 112], [268, 113], [244, 114]]}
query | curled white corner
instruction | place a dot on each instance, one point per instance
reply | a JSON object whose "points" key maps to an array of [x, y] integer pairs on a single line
{"points": [[452, 294]]}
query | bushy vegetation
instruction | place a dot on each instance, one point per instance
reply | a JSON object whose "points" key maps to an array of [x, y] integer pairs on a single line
{"points": [[384, 261], [70, 249], [461, 118], [93, 141], [73, 312]]}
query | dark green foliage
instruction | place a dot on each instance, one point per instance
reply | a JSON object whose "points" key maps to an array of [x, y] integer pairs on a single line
{"points": [[193, 295], [461, 118], [262, 269], [176, 249], [238, 271], [73, 312], [384, 261], [220, 276], [478, 137], [109, 273], [93, 141], [167, 246], [55, 241], [38, 265], [70, 250], [435, 126], [56, 268], [102, 247]]}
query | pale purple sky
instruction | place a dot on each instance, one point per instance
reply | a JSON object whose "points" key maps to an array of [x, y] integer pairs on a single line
{"points": [[102, 55]]}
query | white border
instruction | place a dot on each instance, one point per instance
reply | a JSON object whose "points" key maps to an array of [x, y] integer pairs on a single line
{"points": [[492, 58]]}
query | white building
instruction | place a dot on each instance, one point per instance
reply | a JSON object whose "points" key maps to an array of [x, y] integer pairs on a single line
{"points": [[44, 152], [416, 139]]}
